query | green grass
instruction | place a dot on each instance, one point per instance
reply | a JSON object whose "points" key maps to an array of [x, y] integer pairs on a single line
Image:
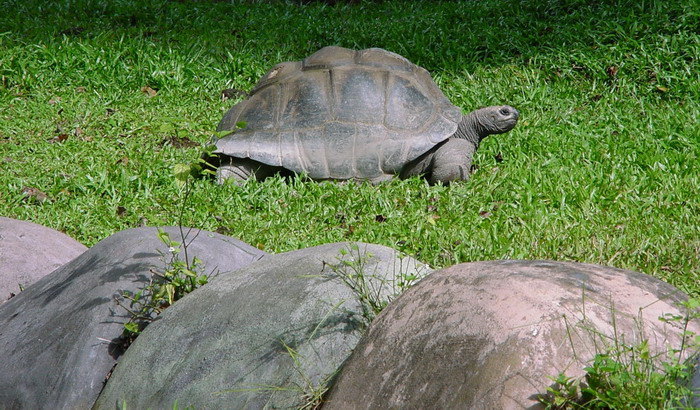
{"points": [[602, 167]]}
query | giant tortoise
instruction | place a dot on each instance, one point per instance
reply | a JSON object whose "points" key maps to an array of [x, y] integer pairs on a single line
{"points": [[343, 114]]}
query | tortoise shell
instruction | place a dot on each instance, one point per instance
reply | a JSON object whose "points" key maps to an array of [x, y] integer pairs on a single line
{"points": [[340, 114]]}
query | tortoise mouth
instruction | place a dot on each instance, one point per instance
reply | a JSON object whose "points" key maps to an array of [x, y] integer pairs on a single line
{"points": [[509, 124]]}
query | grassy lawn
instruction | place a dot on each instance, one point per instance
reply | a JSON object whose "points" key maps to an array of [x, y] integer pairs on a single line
{"points": [[100, 99]]}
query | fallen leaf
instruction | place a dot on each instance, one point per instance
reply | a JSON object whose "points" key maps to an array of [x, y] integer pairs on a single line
{"points": [[484, 214], [149, 91], [180, 142], [432, 218], [123, 161], [223, 230], [612, 71], [34, 194], [661, 89], [59, 138], [55, 100], [231, 93], [109, 374], [80, 89], [273, 73]]}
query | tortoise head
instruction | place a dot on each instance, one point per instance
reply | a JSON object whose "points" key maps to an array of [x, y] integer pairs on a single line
{"points": [[498, 119], [483, 122]]}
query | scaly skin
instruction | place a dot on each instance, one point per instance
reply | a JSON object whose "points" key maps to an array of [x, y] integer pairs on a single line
{"points": [[451, 159]]}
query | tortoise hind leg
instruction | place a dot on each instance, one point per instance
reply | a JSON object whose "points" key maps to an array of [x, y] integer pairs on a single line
{"points": [[241, 169], [381, 179]]}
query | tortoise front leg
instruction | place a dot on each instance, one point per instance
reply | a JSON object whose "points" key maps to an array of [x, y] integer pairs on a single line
{"points": [[452, 161], [446, 162]]}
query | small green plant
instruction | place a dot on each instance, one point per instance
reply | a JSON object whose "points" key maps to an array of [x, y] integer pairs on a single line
{"points": [[312, 394], [179, 278], [186, 172], [629, 376], [308, 393], [369, 288]]}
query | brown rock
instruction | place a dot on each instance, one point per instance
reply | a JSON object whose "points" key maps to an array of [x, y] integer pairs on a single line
{"points": [[487, 335], [28, 252]]}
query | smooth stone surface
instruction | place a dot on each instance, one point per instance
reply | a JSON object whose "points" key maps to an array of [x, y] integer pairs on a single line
{"points": [[226, 346], [29, 251], [55, 335], [486, 335]]}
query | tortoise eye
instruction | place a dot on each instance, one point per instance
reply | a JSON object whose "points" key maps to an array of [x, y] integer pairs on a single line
{"points": [[504, 111]]}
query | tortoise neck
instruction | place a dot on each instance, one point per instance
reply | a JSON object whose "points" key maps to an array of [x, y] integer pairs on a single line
{"points": [[471, 129]]}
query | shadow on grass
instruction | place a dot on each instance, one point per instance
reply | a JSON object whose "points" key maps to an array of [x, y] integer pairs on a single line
{"points": [[447, 35]]}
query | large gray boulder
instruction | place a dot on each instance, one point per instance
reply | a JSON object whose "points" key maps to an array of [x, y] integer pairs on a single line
{"points": [[269, 335], [487, 335], [29, 251], [57, 337]]}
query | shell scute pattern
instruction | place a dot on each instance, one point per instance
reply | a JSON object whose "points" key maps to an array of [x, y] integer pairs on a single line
{"points": [[341, 114]]}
